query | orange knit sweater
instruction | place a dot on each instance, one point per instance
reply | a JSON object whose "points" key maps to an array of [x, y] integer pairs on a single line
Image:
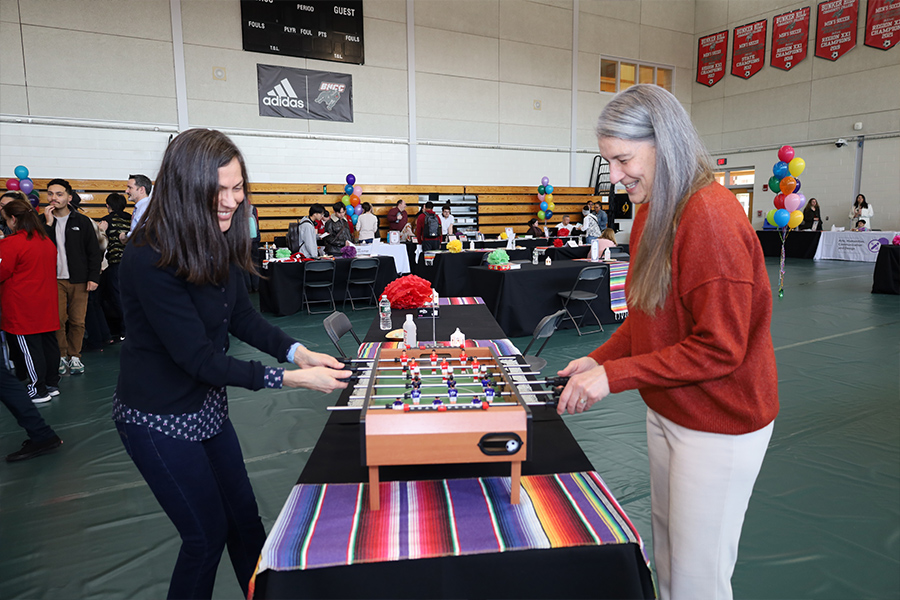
{"points": [[705, 360]]}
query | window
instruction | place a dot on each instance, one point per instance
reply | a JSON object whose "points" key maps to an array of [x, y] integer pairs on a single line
{"points": [[740, 183], [617, 74]]}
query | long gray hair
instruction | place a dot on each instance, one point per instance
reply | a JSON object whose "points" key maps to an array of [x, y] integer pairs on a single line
{"points": [[648, 113]]}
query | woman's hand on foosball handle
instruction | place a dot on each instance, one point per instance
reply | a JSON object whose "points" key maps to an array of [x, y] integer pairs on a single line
{"points": [[305, 358], [320, 379], [587, 385]]}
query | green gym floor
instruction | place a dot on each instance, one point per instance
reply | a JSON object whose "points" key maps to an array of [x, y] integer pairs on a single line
{"points": [[824, 521]]}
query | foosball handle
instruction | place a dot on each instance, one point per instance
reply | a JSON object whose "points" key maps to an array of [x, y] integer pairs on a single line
{"points": [[557, 382]]}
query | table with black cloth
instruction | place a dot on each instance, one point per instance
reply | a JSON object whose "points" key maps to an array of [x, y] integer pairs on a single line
{"points": [[798, 244], [886, 278], [601, 571], [449, 273], [281, 287], [520, 298]]}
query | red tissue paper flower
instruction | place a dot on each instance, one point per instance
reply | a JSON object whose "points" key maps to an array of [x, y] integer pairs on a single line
{"points": [[558, 243], [896, 241], [408, 292], [562, 232]]}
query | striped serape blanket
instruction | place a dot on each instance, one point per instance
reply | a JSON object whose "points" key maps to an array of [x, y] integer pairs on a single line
{"points": [[323, 525], [503, 347], [617, 274], [456, 300]]}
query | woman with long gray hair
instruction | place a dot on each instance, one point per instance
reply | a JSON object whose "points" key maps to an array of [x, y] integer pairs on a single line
{"points": [[696, 343]]}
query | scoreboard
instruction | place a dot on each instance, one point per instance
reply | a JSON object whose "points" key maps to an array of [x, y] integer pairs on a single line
{"points": [[319, 29]]}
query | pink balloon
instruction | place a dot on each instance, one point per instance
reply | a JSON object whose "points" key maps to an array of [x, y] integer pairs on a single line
{"points": [[786, 154], [357, 190], [540, 197], [12, 184], [792, 202]]}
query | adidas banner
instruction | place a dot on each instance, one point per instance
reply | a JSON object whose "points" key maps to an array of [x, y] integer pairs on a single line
{"points": [[304, 94]]}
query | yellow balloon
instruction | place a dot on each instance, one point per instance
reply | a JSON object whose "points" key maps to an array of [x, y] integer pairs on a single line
{"points": [[796, 166], [796, 219], [548, 198], [551, 206]]}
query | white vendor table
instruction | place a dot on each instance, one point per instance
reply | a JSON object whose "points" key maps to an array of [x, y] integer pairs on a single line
{"points": [[397, 251], [859, 246]]}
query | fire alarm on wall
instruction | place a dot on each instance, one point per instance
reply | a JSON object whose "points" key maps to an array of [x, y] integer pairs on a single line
{"points": [[721, 162]]}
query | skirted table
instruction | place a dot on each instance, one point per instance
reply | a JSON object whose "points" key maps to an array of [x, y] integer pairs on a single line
{"points": [[798, 244], [448, 531], [860, 246], [448, 271], [886, 278]]}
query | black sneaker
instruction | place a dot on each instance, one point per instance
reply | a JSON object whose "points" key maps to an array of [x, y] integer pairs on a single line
{"points": [[53, 390], [31, 449]]}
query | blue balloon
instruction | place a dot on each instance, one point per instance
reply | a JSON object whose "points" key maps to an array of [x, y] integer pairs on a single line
{"points": [[548, 189], [354, 217], [781, 169], [548, 214], [781, 217], [348, 189], [351, 179], [544, 206], [21, 172]]}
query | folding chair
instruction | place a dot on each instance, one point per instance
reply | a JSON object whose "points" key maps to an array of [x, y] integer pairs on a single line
{"points": [[363, 272], [318, 275], [588, 274], [336, 326], [544, 330]]}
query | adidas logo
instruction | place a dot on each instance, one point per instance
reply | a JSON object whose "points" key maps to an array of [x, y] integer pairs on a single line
{"points": [[282, 95]]}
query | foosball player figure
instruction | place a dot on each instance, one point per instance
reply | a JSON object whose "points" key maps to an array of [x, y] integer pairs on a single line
{"points": [[414, 369], [452, 393], [486, 382], [398, 404], [404, 359], [463, 357], [433, 358], [489, 394], [445, 366], [416, 395], [483, 370], [449, 371], [416, 383]]}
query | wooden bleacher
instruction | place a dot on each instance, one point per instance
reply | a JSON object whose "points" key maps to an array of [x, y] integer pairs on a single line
{"points": [[280, 204]]}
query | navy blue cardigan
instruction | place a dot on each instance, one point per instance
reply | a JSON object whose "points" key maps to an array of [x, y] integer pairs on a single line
{"points": [[177, 342]]}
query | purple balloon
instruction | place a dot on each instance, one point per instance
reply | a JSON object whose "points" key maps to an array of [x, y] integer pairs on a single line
{"points": [[26, 185], [34, 201], [545, 180], [802, 200], [357, 190], [351, 179], [797, 188], [358, 209]]}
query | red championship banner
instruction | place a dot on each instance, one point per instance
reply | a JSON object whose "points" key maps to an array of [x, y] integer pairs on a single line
{"points": [[711, 51], [790, 36], [883, 23], [836, 22], [748, 50]]}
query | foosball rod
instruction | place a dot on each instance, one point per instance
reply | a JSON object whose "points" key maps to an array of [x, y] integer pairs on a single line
{"points": [[459, 395], [430, 406], [458, 373]]}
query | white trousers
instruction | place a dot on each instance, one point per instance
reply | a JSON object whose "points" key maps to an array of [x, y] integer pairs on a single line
{"points": [[700, 485]]}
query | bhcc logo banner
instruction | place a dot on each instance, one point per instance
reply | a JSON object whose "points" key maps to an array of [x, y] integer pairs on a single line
{"points": [[304, 94]]}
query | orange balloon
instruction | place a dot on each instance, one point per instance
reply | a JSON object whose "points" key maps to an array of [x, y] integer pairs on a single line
{"points": [[787, 185], [354, 199]]}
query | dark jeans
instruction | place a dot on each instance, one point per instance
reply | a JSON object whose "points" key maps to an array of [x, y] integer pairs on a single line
{"points": [[204, 489], [13, 395], [111, 300]]}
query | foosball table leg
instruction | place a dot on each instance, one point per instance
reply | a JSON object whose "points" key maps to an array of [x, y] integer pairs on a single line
{"points": [[375, 489], [514, 482]]}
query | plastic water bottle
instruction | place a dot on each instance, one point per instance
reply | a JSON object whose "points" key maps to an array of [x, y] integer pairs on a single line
{"points": [[409, 333], [384, 311]]}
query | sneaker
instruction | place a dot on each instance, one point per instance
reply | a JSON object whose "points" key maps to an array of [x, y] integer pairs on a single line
{"points": [[63, 366], [30, 449], [52, 390], [76, 367], [41, 399]]}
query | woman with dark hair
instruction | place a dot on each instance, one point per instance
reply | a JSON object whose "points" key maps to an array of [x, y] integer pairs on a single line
{"points": [[696, 343], [183, 293], [28, 299], [368, 225], [861, 210], [534, 229], [4, 198], [812, 216]]}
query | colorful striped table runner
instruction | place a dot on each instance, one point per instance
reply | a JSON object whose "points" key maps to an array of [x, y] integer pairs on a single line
{"points": [[503, 347], [458, 300], [323, 525], [618, 272]]}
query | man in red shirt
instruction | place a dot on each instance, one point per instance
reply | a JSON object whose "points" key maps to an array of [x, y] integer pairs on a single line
{"points": [[428, 228], [397, 217]]}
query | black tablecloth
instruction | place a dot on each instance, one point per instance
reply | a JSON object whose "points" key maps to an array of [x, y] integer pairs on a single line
{"points": [[798, 244], [281, 291], [520, 298], [449, 273], [886, 279], [611, 571]]}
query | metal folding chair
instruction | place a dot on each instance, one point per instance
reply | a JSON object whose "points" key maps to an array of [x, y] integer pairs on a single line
{"points": [[545, 328], [318, 275], [363, 272], [594, 275], [336, 326]]}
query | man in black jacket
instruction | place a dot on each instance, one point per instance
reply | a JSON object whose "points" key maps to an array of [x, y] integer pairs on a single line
{"points": [[77, 270]]}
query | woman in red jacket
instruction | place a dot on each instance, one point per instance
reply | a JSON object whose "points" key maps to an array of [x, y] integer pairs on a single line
{"points": [[30, 313], [696, 343]]}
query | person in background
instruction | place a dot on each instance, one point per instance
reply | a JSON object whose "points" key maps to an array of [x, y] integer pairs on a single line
{"points": [[368, 225], [138, 190], [606, 240], [590, 226], [320, 224], [602, 217], [78, 261], [860, 226], [41, 437], [6, 197], [534, 228], [446, 222], [116, 223], [565, 228], [28, 297], [428, 228], [96, 329], [397, 217], [337, 232], [696, 343], [309, 233], [184, 295], [812, 217], [861, 210]]}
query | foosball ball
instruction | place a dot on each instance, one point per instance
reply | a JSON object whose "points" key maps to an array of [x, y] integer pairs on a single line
{"points": [[446, 405]]}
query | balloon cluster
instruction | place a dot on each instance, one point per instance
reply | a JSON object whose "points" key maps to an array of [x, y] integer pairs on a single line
{"points": [[545, 197], [23, 184], [785, 182], [351, 199]]}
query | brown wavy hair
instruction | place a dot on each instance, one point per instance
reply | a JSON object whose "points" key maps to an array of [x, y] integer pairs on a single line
{"points": [[27, 219]]}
